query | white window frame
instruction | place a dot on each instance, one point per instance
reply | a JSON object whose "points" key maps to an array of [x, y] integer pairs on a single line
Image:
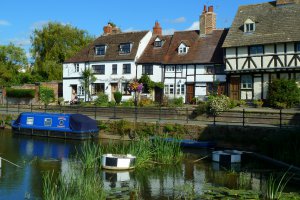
{"points": [[246, 82], [80, 90], [76, 65], [249, 26], [170, 68], [100, 50]]}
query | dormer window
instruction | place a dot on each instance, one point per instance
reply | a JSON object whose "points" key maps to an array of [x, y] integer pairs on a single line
{"points": [[157, 42], [183, 49], [249, 26], [125, 48], [100, 50]]}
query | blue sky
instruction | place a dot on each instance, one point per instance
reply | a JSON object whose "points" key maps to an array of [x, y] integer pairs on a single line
{"points": [[18, 18]]}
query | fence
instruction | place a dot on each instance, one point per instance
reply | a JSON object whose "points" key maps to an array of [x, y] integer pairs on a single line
{"points": [[244, 117]]}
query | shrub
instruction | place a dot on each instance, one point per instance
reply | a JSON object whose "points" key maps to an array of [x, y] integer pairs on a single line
{"points": [[20, 93], [242, 103], [178, 101], [201, 108], [258, 102], [169, 128], [217, 104], [102, 99], [128, 103], [46, 95], [284, 92], [145, 102], [233, 103], [118, 97]]}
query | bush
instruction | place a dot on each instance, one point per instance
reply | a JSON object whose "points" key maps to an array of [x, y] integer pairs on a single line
{"points": [[282, 91], [169, 128], [128, 103], [145, 102], [217, 104], [46, 95], [242, 103], [118, 97], [258, 102], [20, 93], [178, 101], [102, 99], [233, 103], [201, 109]]}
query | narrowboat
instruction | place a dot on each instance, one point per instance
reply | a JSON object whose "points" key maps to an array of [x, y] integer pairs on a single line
{"points": [[59, 125]]}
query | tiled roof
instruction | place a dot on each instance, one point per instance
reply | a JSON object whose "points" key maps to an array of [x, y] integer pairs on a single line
{"points": [[155, 54], [112, 42], [273, 24], [202, 49]]}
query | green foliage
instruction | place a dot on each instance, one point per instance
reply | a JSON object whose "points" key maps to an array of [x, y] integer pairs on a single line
{"points": [[87, 79], [258, 103], [178, 101], [102, 99], [233, 103], [201, 109], [46, 95], [118, 97], [60, 100], [53, 44], [20, 93], [145, 102], [145, 79], [12, 60], [242, 103], [218, 104], [128, 103], [121, 127], [284, 92]]}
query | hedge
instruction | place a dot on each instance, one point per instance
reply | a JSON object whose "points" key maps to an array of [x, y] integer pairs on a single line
{"points": [[20, 93]]}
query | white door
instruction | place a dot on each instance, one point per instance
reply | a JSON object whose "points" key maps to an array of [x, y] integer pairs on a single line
{"points": [[257, 88]]}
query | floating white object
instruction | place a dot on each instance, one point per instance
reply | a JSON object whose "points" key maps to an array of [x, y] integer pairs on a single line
{"points": [[118, 161], [227, 156]]}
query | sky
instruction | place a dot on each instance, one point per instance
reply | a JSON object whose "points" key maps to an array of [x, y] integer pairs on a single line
{"points": [[18, 18]]}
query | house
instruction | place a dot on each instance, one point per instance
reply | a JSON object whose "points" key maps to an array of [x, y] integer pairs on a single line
{"points": [[263, 44], [189, 63], [112, 59]]}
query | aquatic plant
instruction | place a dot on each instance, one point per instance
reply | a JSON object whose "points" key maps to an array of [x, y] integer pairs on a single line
{"points": [[275, 186], [88, 155]]}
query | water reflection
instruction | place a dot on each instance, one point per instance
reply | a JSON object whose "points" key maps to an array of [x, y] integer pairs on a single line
{"points": [[38, 155]]}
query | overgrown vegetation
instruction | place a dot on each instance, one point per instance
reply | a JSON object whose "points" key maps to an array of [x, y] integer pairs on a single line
{"points": [[20, 93], [101, 100], [46, 95], [283, 93]]}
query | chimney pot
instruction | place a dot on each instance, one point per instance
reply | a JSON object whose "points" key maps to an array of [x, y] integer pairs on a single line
{"points": [[210, 9], [157, 30], [107, 29], [204, 9]]}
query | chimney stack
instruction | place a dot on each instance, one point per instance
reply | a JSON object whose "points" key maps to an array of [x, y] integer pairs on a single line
{"points": [[107, 29], [283, 2], [207, 21], [157, 30]]}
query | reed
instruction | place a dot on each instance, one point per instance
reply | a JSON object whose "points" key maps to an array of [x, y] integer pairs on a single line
{"points": [[89, 155], [275, 186]]}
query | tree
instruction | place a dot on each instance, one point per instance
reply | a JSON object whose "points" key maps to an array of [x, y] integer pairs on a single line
{"points": [[87, 79], [53, 44], [12, 60]]}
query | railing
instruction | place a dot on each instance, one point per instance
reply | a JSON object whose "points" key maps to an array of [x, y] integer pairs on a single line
{"points": [[244, 117]]}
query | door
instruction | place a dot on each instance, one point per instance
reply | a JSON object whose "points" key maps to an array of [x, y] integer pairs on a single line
{"points": [[114, 88], [222, 89], [190, 92], [158, 94], [235, 88], [257, 88], [73, 92]]}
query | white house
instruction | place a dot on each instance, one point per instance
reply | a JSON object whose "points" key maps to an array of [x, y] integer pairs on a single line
{"points": [[263, 44], [187, 62], [112, 58]]}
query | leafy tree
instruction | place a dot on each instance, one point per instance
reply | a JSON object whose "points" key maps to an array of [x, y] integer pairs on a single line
{"points": [[283, 93], [12, 60], [87, 79], [53, 44], [46, 95]]}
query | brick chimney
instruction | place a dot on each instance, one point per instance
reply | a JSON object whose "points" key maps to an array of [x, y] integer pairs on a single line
{"points": [[157, 30], [283, 2], [207, 21], [107, 29]]}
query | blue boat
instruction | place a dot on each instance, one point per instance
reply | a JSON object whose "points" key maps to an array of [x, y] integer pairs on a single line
{"points": [[186, 143], [67, 126]]}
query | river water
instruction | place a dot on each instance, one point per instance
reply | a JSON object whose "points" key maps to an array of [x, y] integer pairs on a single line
{"points": [[39, 155]]}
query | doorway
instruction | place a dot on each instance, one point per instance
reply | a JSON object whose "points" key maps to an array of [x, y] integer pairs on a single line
{"points": [[235, 88], [114, 88], [190, 92]]}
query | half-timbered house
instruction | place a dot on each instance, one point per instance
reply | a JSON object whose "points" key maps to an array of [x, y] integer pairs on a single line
{"points": [[263, 44]]}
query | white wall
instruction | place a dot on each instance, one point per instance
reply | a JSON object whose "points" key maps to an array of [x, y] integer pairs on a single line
{"points": [[143, 44]]}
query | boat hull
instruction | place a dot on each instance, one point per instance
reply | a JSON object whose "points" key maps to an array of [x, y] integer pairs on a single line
{"points": [[56, 134]]}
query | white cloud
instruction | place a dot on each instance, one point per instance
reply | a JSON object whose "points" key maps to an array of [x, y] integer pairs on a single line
{"points": [[38, 25], [177, 20], [4, 23], [194, 26], [168, 31], [20, 41]]}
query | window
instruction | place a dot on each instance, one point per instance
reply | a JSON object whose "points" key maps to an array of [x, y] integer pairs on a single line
{"points": [[126, 68], [157, 43], [80, 90], [298, 47], [29, 121], [47, 122], [169, 89], [147, 69], [249, 26], [97, 88], [246, 82], [178, 68], [182, 50], [170, 69], [180, 89], [99, 69], [258, 49], [125, 48], [125, 88], [76, 67], [210, 69], [100, 50], [114, 69]]}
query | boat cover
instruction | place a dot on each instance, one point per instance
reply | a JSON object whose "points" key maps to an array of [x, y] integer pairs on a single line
{"points": [[79, 122]]}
